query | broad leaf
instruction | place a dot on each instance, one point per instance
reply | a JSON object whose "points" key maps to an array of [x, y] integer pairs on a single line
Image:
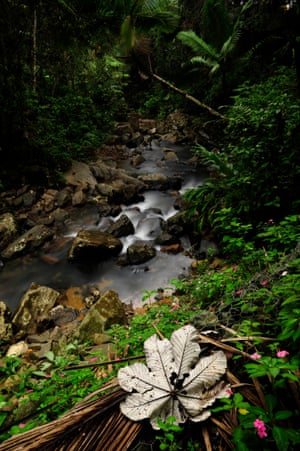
{"points": [[176, 381]]}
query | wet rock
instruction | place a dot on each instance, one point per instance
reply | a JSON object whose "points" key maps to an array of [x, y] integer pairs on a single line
{"points": [[160, 182], [108, 310], [8, 229], [137, 160], [172, 249], [63, 197], [177, 225], [28, 242], [33, 312], [138, 253], [79, 198], [121, 191], [170, 156], [95, 245], [5, 324], [166, 238], [122, 227]]}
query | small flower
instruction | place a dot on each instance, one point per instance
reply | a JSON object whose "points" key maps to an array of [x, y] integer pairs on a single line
{"points": [[22, 425], [239, 292], [270, 221], [174, 307], [264, 283], [243, 411], [282, 354], [260, 428], [62, 375], [92, 359], [255, 356], [229, 391], [30, 390], [47, 376], [284, 273]]}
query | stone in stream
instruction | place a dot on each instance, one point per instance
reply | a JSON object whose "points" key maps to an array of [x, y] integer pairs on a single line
{"points": [[28, 242], [94, 245]]}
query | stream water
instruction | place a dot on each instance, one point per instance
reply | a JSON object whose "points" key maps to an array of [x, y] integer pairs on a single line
{"points": [[131, 282]]}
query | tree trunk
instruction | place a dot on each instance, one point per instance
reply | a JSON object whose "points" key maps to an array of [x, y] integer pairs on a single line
{"points": [[189, 97], [34, 50]]}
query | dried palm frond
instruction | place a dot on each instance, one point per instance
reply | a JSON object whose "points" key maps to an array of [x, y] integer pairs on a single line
{"points": [[90, 425]]}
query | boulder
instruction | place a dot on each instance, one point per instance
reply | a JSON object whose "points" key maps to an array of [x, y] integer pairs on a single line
{"points": [[8, 229], [5, 324], [33, 312], [138, 253], [122, 227], [28, 242], [80, 175], [108, 310], [160, 182], [95, 245]]}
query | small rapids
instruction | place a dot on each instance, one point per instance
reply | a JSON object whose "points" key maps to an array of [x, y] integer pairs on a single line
{"points": [[131, 282]]}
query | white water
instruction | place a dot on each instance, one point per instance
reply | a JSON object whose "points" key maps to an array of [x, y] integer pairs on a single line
{"points": [[130, 282]]}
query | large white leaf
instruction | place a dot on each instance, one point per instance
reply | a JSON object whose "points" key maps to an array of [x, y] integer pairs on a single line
{"points": [[174, 382], [139, 406], [137, 377], [206, 373], [159, 357], [194, 403], [186, 349]]}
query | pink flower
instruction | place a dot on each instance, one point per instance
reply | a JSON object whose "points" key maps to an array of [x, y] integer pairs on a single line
{"points": [[22, 425], [229, 391], [47, 376], [239, 292], [255, 356], [92, 359], [264, 283], [260, 428], [175, 307], [282, 354], [284, 273], [271, 220]]}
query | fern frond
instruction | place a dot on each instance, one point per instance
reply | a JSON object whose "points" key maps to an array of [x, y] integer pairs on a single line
{"points": [[197, 44]]}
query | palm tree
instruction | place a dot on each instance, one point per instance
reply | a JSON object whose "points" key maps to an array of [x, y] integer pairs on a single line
{"points": [[217, 60], [138, 17]]}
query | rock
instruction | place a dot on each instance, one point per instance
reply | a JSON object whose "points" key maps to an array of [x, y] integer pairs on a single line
{"points": [[166, 239], [95, 245], [63, 197], [80, 175], [122, 227], [79, 198], [8, 229], [108, 310], [138, 253], [5, 324], [170, 156], [177, 225], [63, 315], [160, 182], [33, 312], [172, 249], [17, 349], [28, 242]]}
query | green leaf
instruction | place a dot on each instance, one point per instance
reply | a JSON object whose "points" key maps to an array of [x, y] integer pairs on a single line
{"points": [[281, 438], [283, 414]]}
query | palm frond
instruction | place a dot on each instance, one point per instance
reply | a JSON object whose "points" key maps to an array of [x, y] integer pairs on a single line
{"points": [[202, 60], [197, 44]]}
